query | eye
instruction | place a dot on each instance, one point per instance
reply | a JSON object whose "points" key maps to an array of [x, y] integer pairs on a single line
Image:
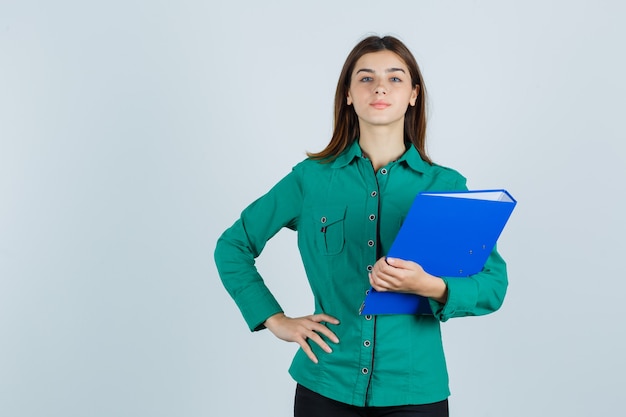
{"points": [[366, 79], [395, 79]]}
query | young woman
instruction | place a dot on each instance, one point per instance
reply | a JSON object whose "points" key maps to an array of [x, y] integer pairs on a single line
{"points": [[347, 203]]}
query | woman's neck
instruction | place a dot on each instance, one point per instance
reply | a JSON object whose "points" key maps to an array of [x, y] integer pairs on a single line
{"points": [[382, 145]]}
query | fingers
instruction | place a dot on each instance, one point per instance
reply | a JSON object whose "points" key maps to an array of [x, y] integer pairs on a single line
{"points": [[313, 335], [392, 274], [384, 270], [382, 280], [403, 265], [310, 327], [307, 349], [398, 263], [377, 283], [318, 318], [380, 284], [315, 328], [324, 317], [304, 330]]}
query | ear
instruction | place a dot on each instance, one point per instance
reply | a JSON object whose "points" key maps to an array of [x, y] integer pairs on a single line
{"points": [[349, 99], [414, 95]]}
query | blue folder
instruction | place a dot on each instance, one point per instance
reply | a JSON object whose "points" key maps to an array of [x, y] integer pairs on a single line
{"points": [[450, 234]]}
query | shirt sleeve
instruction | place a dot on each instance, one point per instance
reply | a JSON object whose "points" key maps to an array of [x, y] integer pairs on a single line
{"points": [[238, 246], [478, 294]]}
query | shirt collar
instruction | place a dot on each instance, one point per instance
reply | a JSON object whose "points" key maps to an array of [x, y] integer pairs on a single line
{"points": [[348, 155], [411, 157]]}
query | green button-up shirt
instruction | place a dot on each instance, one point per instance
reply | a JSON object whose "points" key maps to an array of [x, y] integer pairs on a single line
{"points": [[346, 216]]}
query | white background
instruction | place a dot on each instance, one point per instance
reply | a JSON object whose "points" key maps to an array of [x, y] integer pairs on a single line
{"points": [[132, 133]]}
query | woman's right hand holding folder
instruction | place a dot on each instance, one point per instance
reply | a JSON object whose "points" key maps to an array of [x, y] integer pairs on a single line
{"points": [[397, 275]]}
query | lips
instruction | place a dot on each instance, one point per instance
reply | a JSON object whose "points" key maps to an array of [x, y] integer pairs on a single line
{"points": [[380, 104]]}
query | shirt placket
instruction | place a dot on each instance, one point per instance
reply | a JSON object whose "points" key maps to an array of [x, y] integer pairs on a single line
{"points": [[371, 244]]}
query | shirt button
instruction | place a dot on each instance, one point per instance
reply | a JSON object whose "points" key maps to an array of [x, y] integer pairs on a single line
{"points": [[370, 267], [367, 343], [365, 371], [370, 243], [372, 217], [374, 194], [368, 317], [383, 171]]}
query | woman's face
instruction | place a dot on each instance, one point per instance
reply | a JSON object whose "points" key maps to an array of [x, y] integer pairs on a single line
{"points": [[380, 89]]}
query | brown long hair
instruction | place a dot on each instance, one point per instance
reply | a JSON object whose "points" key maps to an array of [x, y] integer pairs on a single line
{"points": [[346, 123]]}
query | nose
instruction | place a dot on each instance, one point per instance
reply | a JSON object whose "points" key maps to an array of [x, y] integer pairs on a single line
{"points": [[380, 89]]}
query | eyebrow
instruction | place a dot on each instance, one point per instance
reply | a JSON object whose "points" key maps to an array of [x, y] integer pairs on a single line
{"points": [[388, 70]]}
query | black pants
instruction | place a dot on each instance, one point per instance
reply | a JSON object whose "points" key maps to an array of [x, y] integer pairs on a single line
{"points": [[311, 404]]}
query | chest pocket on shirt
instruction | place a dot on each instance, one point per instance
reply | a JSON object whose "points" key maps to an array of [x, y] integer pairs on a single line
{"points": [[330, 235]]}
